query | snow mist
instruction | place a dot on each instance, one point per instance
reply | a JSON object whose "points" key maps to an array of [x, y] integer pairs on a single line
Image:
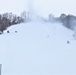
{"points": [[32, 13]]}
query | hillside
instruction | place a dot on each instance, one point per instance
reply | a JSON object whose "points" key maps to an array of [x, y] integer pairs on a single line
{"points": [[38, 48]]}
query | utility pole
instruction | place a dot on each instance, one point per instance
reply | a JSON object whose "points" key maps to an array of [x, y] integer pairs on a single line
{"points": [[0, 68]]}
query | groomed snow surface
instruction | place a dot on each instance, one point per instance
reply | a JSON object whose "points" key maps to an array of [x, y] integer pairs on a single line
{"points": [[38, 48]]}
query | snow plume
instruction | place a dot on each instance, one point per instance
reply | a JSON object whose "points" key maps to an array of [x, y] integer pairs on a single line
{"points": [[32, 14]]}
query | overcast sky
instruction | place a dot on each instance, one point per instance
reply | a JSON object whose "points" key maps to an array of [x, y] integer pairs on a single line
{"points": [[42, 7]]}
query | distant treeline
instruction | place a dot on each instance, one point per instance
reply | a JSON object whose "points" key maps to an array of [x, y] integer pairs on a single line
{"points": [[68, 21], [9, 19]]}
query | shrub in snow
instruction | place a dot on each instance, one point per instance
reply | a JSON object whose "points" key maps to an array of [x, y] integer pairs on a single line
{"points": [[68, 42], [15, 31], [8, 31]]}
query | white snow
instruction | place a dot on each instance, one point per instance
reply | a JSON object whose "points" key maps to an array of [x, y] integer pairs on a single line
{"points": [[38, 48]]}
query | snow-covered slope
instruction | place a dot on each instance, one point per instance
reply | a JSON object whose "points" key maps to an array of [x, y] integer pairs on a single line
{"points": [[38, 48]]}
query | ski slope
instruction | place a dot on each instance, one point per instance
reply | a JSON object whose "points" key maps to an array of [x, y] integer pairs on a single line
{"points": [[38, 48]]}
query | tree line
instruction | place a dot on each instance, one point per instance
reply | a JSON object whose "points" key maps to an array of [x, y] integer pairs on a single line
{"points": [[9, 19], [68, 21]]}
